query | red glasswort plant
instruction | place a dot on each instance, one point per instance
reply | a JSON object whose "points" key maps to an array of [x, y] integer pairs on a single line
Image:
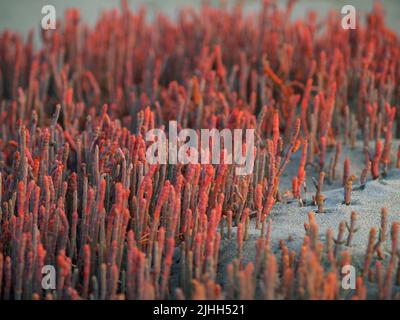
{"points": [[76, 191]]}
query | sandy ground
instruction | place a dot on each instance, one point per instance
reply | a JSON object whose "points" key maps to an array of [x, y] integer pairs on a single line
{"points": [[288, 218]]}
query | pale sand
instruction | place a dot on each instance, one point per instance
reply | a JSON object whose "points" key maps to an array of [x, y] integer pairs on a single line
{"points": [[288, 218]]}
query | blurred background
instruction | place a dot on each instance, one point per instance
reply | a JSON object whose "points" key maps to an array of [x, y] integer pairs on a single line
{"points": [[22, 15]]}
